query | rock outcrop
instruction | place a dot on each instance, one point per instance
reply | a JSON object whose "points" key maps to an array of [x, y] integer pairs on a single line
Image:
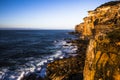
{"points": [[98, 48], [102, 26], [63, 69], [106, 16]]}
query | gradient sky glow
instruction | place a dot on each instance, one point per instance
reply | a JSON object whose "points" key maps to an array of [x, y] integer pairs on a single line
{"points": [[45, 14]]}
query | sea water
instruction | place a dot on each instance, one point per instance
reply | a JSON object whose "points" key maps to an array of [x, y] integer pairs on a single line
{"points": [[26, 51]]}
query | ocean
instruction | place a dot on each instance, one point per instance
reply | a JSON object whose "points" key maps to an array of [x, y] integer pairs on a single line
{"points": [[25, 51]]}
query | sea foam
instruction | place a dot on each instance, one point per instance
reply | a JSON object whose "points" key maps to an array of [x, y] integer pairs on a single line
{"points": [[62, 50]]}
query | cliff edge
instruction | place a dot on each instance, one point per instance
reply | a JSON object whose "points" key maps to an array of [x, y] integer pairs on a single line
{"points": [[102, 28]]}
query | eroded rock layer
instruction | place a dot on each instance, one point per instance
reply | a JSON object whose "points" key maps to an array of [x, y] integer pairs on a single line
{"points": [[103, 53]]}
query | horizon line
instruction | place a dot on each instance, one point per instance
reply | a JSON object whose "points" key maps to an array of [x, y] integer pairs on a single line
{"points": [[33, 29]]}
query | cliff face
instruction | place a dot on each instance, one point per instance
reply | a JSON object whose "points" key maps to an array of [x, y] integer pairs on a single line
{"points": [[102, 26], [105, 16]]}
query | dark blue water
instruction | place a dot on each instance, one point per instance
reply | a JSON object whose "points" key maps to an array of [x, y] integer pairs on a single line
{"points": [[27, 50]]}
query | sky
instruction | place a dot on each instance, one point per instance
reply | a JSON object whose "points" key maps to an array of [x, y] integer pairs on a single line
{"points": [[45, 14]]}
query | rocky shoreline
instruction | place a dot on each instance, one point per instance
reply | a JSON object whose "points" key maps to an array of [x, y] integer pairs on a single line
{"points": [[69, 68], [65, 59]]}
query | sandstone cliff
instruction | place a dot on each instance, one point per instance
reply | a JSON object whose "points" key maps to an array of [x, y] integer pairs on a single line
{"points": [[106, 16], [102, 26], [98, 48]]}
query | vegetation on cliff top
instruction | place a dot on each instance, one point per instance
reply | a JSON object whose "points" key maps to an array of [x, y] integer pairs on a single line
{"points": [[111, 3]]}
